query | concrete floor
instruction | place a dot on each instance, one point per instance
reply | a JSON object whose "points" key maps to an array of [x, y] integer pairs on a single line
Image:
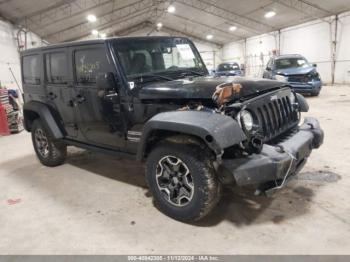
{"points": [[94, 204]]}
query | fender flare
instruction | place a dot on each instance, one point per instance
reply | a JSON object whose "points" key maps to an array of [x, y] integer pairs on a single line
{"points": [[46, 116], [217, 131], [303, 105]]}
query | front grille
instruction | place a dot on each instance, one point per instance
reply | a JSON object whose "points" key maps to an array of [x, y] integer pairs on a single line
{"points": [[298, 78], [275, 114]]}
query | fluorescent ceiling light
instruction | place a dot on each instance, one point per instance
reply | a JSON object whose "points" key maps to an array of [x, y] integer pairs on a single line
{"points": [[233, 28], [159, 25], [171, 9], [103, 35], [91, 18], [270, 14], [94, 32], [210, 37]]}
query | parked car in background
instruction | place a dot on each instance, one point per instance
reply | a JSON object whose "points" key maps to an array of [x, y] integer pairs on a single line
{"points": [[228, 69], [297, 71]]}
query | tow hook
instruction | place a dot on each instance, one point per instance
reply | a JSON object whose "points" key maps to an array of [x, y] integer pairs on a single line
{"points": [[269, 188]]}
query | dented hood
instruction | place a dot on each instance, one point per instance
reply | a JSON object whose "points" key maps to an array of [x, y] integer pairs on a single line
{"points": [[204, 87]]}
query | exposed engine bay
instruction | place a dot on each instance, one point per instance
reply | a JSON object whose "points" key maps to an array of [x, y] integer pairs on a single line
{"points": [[264, 119]]}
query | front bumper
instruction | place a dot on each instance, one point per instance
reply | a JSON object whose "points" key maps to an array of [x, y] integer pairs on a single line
{"points": [[306, 87], [276, 162]]}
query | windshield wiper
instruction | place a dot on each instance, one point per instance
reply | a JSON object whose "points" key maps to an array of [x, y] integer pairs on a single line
{"points": [[147, 77], [196, 72], [189, 71]]}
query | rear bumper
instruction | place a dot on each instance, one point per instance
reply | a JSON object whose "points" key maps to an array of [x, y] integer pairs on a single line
{"points": [[276, 162]]}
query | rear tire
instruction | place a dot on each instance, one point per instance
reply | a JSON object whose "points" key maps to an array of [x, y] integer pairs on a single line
{"points": [[182, 181], [49, 151]]}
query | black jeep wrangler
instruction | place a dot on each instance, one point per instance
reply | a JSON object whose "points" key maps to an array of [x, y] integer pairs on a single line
{"points": [[152, 99]]}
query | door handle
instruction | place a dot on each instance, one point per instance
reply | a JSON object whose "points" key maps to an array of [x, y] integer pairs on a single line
{"points": [[51, 96], [80, 99], [77, 100]]}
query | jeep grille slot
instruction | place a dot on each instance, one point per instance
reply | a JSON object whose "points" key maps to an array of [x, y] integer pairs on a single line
{"points": [[275, 116]]}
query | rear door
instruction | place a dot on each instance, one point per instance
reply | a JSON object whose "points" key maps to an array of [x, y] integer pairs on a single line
{"points": [[59, 87], [99, 118]]}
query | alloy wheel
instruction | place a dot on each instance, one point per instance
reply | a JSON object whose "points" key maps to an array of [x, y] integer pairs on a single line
{"points": [[174, 181], [41, 142]]}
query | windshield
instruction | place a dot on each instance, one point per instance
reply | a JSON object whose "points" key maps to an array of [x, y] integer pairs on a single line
{"points": [[161, 56], [285, 63], [228, 67]]}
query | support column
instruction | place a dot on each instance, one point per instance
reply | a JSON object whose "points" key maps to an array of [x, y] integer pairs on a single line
{"points": [[334, 47]]}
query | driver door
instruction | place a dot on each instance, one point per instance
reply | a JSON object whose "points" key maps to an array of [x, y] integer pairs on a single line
{"points": [[99, 117]]}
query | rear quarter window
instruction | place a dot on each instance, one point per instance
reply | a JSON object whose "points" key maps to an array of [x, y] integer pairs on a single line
{"points": [[31, 69]]}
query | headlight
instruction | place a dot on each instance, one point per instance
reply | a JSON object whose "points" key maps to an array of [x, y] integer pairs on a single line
{"points": [[281, 78], [246, 119]]}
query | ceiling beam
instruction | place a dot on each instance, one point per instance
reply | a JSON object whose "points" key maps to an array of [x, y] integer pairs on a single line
{"points": [[104, 21], [5, 1], [130, 29], [227, 33], [166, 29], [175, 32], [39, 23], [120, 23], [39, 12], [249, 24], [305, 8]]}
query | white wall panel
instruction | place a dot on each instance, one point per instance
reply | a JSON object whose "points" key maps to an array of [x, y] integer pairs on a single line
{"points": [[312, 39], [9, 57], [258, 51], [342, 69], [233, 52]]}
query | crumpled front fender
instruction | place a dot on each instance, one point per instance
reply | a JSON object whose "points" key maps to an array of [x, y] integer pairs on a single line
{"points": [[216, 130]]}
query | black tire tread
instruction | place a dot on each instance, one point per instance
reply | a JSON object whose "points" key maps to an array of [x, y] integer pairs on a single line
{"points": [[58, 149], [211, 191]]}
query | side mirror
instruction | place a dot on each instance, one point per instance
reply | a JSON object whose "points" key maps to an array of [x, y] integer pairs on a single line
{"points": [[314, 65], [106, 86], [105, 81]]}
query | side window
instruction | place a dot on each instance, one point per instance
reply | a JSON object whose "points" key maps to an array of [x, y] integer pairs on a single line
{"points": [[89, 63], [31, 69], [56, 68]]}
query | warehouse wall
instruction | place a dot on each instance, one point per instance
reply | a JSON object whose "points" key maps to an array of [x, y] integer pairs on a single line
{"points": [[342, 70], [312, 39], [9, 57]]}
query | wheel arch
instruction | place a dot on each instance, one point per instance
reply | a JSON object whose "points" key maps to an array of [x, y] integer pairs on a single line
{"points": [[216, 131], [36, 110]]}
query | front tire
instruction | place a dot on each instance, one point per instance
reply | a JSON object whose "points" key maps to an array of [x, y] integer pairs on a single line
{"points": [[49, 151], [182, 181]]}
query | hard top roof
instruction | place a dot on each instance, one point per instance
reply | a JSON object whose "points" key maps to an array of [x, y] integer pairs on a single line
{"points": [[95, 41]]}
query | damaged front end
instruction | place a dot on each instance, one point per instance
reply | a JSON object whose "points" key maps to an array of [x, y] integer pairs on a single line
{"points": [[276, 147], [252, 127]]}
